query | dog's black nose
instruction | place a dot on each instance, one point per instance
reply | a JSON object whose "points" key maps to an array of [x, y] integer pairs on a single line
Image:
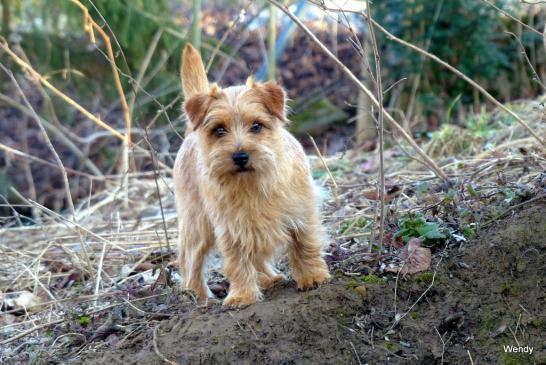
{"points": [[240, 158]]}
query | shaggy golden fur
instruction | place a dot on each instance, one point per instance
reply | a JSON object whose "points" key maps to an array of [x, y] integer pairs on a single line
{"points": [[252, 211]]}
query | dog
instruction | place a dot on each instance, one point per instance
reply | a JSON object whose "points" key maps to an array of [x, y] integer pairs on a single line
{"points": [[243, 185]]}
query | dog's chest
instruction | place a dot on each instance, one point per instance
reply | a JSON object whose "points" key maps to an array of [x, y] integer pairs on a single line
{"points": [[256, 219]]}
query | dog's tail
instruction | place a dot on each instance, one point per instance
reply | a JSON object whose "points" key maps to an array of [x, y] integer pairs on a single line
{"points": [[192, 72]]}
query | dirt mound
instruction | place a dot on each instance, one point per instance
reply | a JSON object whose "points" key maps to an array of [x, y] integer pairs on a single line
{"points": [[486, 294]]}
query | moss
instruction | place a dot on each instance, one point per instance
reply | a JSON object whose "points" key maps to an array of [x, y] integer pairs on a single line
{"points": [[516, 358], [344, 320], [352, 284], [521, 233], [415, 315], [511, 289], [425, 277], [539, 323], [393, 347], [373, 279], [521, 265]]}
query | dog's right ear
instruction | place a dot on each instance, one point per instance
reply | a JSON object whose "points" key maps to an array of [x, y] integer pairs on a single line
{"points": [[192, 73]]}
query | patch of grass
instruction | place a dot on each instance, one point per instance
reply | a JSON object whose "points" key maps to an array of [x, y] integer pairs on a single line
{"points": [[511, 289], [478, 125], [349, 224], [469, 231], [373, 279], [516, 358], [425, 277], [538, 323], [84, 320], [415, 315], [368, 279]]}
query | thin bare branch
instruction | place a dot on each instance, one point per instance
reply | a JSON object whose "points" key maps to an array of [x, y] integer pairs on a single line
{"points": [[430, 163]]}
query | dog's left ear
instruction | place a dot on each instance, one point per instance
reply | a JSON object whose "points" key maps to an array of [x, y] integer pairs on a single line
{"points": [[273, 97]]}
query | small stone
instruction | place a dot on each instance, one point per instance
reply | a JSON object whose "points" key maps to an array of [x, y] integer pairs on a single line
{"points": [[361, 290]]}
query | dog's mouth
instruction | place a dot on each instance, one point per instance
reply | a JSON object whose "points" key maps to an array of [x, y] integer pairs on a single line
{"points": [[244, 169]]}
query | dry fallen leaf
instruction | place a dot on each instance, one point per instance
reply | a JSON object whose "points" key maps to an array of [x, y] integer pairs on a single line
{"points": [[414, 258], [390, 193]]}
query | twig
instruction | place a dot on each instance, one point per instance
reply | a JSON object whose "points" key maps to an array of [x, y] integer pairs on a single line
{"points": [[61, 320], [443, 343], [57, 132], [435, 58], [529, 63], [430, 163], [462, 76], [56, 91], [143, 67], [15, 152], [528, 27], [356, 353], [470, 357], [399, 318], [381, 182], [512, 208], [336, 197], [70, 202], [224, 37], [159, 354], [28, 68], [89, 26]]}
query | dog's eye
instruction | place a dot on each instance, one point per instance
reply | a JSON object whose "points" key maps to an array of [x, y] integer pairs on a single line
{"points": [[219, 131], [256, 127]]}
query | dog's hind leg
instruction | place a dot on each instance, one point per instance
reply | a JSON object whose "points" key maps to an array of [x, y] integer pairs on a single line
{"points": [[308, 267], [267, 275]]}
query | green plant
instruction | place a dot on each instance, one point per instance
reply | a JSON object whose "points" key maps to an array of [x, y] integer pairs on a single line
{"points": [[84, 320], [479, 126], [416, 226]]}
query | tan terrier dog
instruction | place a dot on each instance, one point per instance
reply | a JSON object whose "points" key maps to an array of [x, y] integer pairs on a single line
{"points": [[243, 184]]}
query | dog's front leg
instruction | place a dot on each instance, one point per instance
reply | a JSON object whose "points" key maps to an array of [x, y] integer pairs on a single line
{"points": [[241, 273]]}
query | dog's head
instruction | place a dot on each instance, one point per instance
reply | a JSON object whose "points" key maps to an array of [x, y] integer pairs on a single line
{"points": [[239, 127]]}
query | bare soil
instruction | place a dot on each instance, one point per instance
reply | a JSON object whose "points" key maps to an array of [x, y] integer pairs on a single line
{"points": [[482, 295]]}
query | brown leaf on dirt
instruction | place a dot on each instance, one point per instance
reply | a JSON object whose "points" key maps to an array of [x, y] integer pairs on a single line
{"points": [[390, 194], [414, 258]]}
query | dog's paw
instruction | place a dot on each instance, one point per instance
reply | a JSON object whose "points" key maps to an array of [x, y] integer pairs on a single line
{"points": [[239, 300], [269, 281], [313, 279]]}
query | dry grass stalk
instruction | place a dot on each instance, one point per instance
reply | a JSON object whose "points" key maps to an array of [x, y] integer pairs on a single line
{"points": [[10, 151], [381, 181], [35, 74], [430, 163], [335, 190], [69, 199], [90, 26], [28, 68]]}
